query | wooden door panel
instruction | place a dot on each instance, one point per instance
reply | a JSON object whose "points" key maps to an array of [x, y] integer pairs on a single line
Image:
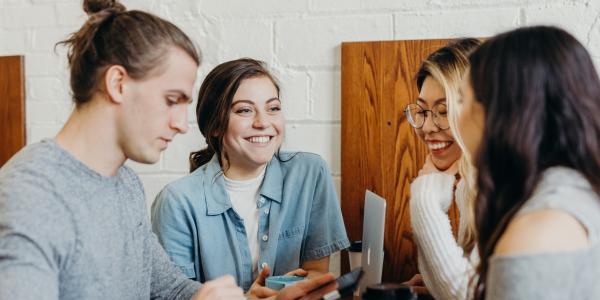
{"points": [[380, 151], [12, 106]]}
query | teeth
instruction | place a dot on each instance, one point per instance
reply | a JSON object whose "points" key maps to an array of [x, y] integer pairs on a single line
{"points": [[437, 146], [259, 139]]}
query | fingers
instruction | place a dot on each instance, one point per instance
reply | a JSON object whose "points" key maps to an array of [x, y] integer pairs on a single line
{"points": [[415, 280], [261, 292], [319, 293], [260, 279], [222, 288], [417, 284], [297, 272], [419, 279], [319, 281], [309, 288], [420, 290]]}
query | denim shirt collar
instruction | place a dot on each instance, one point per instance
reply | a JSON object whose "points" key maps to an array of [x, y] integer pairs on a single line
{"points": [[217, 198]]}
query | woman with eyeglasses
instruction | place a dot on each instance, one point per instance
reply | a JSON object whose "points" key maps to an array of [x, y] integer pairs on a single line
{"points": [[444, 248]]}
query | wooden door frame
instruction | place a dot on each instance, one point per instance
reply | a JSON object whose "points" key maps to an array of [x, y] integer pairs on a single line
{"points": [[380, 151], [12, 106]]}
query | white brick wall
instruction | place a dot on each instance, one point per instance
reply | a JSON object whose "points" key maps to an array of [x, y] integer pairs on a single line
{"points": [[300, 39]]}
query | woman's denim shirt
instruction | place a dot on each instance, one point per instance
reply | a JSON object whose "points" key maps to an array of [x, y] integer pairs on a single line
{"points": [[300, 220]]}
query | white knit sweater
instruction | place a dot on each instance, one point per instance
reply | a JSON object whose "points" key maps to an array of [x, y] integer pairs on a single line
{"points": [[445, 268]]}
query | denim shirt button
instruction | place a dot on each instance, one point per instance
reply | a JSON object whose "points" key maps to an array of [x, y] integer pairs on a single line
{"points": [[266, 211], [265, 238]]}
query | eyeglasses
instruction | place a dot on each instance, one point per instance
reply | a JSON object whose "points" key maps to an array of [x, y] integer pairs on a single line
{"points": [[416, 115]]}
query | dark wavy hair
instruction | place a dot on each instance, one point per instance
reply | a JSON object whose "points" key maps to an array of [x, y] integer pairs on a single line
{"points": [[214, 104], [541, 97]]}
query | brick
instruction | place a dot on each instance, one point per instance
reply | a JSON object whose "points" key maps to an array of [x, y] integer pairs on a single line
{"points": [[596, 61], [593, 46], [192, 109], [448, 24], [337, 182], [144, 5], [141, 168], [294, 93], [36, 133], [181, 10], [462, 4], [28, 16], [575, 20], [44, 39], [316, 41], [13, 42], [225, 40], [154, 183], [361, 6], [260, 9], [16, 1], [71, 14], [325, 95], [53, 113], [46, 64], [322, 139], [47, 89], [176, 157], [334, 264], [56, 1]]}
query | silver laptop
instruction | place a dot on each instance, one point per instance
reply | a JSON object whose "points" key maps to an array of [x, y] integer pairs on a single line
{"points": [[372, 239]]}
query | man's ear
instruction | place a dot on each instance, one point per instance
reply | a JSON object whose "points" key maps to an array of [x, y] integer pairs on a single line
{"points": [[114, 80]]}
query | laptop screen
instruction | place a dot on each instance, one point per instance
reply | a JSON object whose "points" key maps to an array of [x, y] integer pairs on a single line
{"points": [[372, 247]]}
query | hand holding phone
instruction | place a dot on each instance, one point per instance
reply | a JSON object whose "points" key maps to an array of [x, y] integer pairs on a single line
{"points": [[346, 284]]}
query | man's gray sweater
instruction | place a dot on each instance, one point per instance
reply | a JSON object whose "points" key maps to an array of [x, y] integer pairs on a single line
{"points": [[67, 232]]}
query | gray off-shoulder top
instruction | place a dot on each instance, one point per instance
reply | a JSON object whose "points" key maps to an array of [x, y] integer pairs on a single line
{"points": [[555, 275]]}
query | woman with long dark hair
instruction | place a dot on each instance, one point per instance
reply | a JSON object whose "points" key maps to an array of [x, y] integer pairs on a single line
{"points": [[529, 117]]}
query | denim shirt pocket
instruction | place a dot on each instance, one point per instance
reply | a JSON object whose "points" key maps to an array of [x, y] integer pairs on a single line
{"points": [[289, 247], [291, 232]]}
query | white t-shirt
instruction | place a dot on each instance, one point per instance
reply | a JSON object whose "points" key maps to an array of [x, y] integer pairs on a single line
{"points": [[244, 196]]}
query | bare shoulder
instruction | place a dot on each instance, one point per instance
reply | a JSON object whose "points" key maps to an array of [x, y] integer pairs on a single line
{"points": [[543, 231]]}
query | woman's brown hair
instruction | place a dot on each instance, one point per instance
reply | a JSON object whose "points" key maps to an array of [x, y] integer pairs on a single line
{"points": [[541, 96], [135, 40], [214, 104]]}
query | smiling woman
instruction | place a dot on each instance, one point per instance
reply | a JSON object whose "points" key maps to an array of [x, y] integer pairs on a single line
{"points": [[256, 128], [247, 207], [446, 256]]}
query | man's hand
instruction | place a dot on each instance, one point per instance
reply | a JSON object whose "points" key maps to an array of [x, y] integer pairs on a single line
{"points": [[222, 288], [310, 289]]}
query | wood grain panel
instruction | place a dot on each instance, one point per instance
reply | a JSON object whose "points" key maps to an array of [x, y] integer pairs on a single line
{"points": [[380, 151], [12, 106]]}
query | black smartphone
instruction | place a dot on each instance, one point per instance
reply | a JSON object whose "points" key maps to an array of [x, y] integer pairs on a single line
{"points": [[347, 284]]}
